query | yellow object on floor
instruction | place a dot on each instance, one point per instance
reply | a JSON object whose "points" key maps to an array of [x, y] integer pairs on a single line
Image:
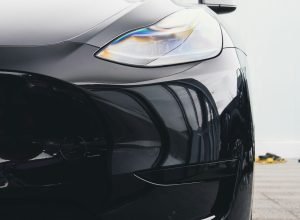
{"points": [[270, 161]]}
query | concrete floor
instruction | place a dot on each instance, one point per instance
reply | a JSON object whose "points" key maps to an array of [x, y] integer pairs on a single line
{"points": [[277, 191]]}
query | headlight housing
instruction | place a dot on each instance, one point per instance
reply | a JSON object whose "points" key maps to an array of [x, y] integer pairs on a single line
{"points": [[185, 36]]}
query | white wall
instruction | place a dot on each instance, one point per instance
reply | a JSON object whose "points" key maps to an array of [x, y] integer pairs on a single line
{"points": [[271, 33]]}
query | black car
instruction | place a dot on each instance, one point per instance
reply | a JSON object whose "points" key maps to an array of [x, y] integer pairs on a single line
{"points": [[122, 110]]}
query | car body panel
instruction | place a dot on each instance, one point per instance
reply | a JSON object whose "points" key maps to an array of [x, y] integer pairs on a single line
{"points": [[33, 22], [84, 138]]}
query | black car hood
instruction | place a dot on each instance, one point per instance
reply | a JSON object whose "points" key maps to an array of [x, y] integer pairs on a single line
{"points": [[37, 23], [65, 50]]}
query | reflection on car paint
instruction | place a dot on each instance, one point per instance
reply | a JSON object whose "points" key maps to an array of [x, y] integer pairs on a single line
{"points": [[166, 138]]}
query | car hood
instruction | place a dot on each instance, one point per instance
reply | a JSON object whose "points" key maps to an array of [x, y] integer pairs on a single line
{"points": [[36, 22], [47, 22]]}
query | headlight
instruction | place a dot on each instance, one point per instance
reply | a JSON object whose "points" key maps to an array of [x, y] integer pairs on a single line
{"points": [[185, 36]]}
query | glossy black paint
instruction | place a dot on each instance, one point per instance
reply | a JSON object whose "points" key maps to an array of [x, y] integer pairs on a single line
{"points": [[110, 147], [82, 138]]}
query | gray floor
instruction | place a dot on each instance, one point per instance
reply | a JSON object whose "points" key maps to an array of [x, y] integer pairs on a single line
{"points": [[277, 191]]}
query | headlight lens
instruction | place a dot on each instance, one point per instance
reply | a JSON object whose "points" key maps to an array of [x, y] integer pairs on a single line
{"points": [[185, 36]]}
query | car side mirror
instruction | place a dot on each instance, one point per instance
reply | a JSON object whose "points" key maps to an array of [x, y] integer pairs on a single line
{"points": [[220, 6]]}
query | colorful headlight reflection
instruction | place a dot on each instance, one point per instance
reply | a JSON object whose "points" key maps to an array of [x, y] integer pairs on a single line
{"points": [[185, 36]]}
